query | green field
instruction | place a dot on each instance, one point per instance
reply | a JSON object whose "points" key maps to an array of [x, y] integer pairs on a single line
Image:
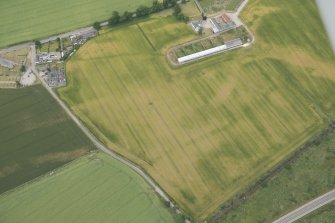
{"points": [[36, 136], [95, 188], [212, 6], [308, 177], [24, 20], [324, 214], [207, 130]]}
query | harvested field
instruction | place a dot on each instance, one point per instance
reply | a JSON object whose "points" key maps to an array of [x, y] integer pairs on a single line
{"points": [[40, 18], [94, 188], [207, 130], [36, 136]]}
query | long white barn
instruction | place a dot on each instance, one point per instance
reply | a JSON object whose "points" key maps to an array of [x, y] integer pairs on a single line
{"points": [[222, 48]]}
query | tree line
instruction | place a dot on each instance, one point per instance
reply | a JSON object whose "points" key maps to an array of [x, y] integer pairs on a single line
{"points": [[143, 11]]}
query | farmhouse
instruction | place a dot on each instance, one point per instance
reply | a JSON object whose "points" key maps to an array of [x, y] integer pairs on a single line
{"points": [[48, 57], [7, 63], [222, 23], [196, 25]]}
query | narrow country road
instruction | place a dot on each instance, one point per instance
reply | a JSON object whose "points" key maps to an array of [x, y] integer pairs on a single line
{"points": [[95, 141], [54, 37], [29, 44], [16, 47], [307, 208]]}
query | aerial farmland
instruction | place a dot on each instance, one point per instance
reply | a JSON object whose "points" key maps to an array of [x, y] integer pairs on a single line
{"points": [[207, 130], [165, 111], [93, 188], [36, 136]]}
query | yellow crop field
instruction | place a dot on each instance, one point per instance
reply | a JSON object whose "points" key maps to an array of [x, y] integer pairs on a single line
{"points": [[207, 130]]}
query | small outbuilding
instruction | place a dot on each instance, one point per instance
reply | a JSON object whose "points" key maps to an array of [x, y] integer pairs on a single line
{"points": [[222, 23], [196, 25], [7, 63]]}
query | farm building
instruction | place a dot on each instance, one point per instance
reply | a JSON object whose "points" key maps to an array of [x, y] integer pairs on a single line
{"points": [[196, 25], [48, 57], [222, 23], [227, 46], [7, 63], [234, 43]]}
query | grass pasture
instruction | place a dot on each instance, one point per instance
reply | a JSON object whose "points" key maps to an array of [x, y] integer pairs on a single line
{"points": [[24, 20], [36, 136], [308, 177], [207, 130], [212, 6], [94, 188], [190, 9]]}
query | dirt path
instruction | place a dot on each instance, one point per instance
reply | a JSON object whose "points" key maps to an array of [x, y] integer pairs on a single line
{"points": [[28, 78]]}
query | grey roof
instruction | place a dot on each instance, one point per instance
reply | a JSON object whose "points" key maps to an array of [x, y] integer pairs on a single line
{"points": [[196, 23], [223, 26], [233, 43], [7, 63]]}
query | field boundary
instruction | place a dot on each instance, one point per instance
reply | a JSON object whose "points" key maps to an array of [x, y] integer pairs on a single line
{"points": [[146, 37], [97, 163], [246, 194], [47, 174]]}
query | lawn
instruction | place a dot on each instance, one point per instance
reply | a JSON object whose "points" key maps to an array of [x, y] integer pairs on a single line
{"points": [[94, 188], [36, 136], [207, 130], [24, 20], [308, 177]]}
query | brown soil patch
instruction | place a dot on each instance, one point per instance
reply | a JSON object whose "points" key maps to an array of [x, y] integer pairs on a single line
{"points": [[59, 156], [7, 170]]}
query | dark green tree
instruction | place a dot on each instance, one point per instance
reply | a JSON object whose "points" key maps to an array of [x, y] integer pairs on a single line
{"points": [[97, 26], [142, 11], [165, 4], [38, 44], [157, 6], [115, 19], [176, 10], [59, 44], [23, 68], [127, 16]]}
